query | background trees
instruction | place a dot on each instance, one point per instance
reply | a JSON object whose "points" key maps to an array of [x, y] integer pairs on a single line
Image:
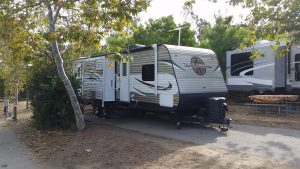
{"points": [[221, 37], [160, 31], [155, 31], [268, 19], [273, 18], [15, 52]]}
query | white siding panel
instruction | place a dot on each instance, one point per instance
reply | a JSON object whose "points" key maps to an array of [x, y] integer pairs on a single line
{"points": [[188, 80]]}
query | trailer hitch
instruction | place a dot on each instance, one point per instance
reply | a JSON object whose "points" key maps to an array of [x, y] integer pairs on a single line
{"points": [[225, 125]]}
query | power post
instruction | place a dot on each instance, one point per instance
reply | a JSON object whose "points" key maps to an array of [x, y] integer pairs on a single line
{"points": [[15, 113]]}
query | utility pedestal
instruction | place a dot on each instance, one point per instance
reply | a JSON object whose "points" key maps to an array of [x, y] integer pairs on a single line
{"points": [[15, 113]]}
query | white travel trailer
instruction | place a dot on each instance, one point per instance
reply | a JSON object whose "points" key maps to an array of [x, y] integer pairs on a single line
{"points": [[269, 73], [184, 81]]}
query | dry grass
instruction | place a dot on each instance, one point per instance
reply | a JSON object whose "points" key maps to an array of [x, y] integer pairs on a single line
{"points": [[249, 116]]}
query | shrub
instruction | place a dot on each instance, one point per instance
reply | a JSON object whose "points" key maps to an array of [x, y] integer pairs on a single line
{"points": [[51, 104]]}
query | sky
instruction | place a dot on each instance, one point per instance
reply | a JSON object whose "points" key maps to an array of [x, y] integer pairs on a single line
{"points": [[203, 8]]}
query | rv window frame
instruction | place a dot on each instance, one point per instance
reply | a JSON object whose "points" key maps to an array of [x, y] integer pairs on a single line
{"points": [[148, 73]]}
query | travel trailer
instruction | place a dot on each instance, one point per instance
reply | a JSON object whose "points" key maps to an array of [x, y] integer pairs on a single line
{"points": [[267, 74], [183, 81]]}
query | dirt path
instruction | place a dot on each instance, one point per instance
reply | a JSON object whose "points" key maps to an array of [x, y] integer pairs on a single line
{"points": [[13, 153]]}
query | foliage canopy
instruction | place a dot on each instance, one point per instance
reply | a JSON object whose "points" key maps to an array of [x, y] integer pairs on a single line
{"points": [[222, 37], [161, 31]]}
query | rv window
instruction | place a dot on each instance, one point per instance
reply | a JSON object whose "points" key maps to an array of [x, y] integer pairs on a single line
{"points": [[148, 72], [241, 62], [124, 65]]}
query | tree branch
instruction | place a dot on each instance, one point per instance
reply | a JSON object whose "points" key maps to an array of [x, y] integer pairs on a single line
{"points": [[57, 13], [50, 16], [20, 8]]}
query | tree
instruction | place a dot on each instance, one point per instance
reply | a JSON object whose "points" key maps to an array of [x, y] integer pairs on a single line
{"points": [[161, 31], [272, 18], [73, 23], [14, 52], [222, 37], [117, 43], [269, 19]]}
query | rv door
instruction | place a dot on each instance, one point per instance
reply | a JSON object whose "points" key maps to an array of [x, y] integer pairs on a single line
{"points": [[109, 80], [124, 82]]}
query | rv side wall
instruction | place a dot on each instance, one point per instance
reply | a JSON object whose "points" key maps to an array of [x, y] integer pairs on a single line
{"points": [[142, 78], [280, 72], [294, 77], [139, 90], [197, 70], [92, 78], [258, 75]]}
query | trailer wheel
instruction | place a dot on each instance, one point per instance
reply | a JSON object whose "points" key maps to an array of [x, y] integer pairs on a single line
{"points": [[179, 125], [95, 110], [105, 112], [223, 129]]}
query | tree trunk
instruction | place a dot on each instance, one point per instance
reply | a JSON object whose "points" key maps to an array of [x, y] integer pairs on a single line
{"points": [[64, 78], [60, 68]]}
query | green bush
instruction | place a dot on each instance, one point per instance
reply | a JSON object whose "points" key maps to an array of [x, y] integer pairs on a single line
{"points": [[51, 105]]}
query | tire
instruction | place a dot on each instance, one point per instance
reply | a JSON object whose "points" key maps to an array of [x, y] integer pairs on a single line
{"points": [[95, 111], [179, 125]]}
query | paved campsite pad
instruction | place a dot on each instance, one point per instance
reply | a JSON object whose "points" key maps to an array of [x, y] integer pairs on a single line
{"points": [[105, 146], [13, 153]]}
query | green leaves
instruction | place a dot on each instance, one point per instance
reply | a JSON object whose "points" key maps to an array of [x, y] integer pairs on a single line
{"points": [[161, 31], [81, 26], [51, 107], [222, 37], [15, 52], [273, 18]]}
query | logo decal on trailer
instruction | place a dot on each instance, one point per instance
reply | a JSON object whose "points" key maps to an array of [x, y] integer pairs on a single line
{"points": [[198, 66]]}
